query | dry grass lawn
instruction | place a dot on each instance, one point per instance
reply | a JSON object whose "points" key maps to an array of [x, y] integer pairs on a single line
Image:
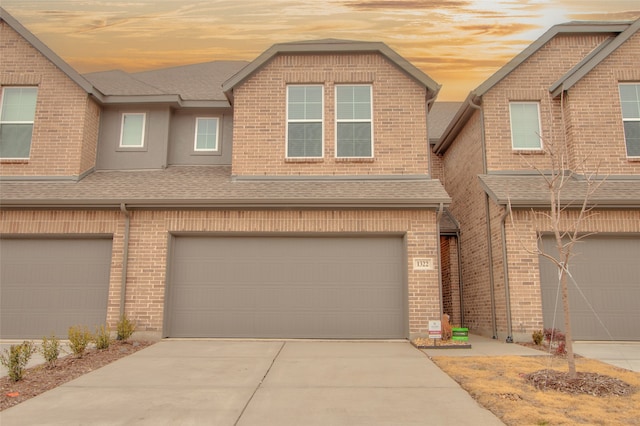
{"points": [[496, 383]]}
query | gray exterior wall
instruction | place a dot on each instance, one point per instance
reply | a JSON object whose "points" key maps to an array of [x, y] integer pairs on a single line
{"points": [[182, 133], [154, 153]]}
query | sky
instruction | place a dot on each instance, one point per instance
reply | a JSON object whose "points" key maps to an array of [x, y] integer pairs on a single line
{"points": [[458, 43]]}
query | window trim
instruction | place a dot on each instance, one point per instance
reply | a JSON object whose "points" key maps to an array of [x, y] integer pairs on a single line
{"points": [[626, 145], [32, 122], [142, 136], [204, 151], [513, 147], [359, 120], [288, 120]]}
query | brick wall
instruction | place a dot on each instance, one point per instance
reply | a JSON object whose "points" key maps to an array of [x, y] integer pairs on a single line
{"points": [[462, 165], [531, 82], [59, 134], [149, 236], [524, 268], [399, 120]]}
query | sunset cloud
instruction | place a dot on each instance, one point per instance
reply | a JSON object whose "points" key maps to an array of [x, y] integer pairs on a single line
{"points": [[458, 43]]}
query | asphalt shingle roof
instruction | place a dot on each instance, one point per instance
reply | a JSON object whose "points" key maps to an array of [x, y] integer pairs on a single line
{"points": [[209, 186], [440, 116], [532, 190], [191, 82]]}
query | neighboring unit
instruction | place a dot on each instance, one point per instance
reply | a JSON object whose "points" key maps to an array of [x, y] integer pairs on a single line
{"points": [[577, 88], [290, 196]]}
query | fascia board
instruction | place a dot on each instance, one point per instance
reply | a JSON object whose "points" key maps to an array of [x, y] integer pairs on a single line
{"points": [[591, 61], [354, 47], [456, 125]]}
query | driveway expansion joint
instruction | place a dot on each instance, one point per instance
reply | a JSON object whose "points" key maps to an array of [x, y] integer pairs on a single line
{"points": [[259, 384]]}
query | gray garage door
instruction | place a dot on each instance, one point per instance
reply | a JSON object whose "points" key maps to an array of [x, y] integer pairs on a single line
{"points": [[286, 287], [607, 270], [49, 285]]}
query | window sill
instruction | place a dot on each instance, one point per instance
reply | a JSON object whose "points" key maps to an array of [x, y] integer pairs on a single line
{"points": [[355, 159], [633, 159], [304, 160], [14, 161], [529, 151]]}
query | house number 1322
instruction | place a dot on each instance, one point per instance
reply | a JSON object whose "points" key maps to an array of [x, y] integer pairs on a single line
{"points": [[425, 264]]}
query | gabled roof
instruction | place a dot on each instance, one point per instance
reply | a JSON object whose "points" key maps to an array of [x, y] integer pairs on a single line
{"points": [[197, 85], [620, 32], [331, 46], [592, 60], [214, 186], [48, 53]]}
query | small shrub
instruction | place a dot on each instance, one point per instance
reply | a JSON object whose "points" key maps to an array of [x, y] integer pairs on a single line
{"points": [[561, 349], [553, 335], [79, 338], [537, 337], [102, 337], [50, 350], [16, 358], [124, 328]]}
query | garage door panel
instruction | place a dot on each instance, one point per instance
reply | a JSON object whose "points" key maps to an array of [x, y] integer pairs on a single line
{"points": [[286, 287], [607, 271], [49, 285]]}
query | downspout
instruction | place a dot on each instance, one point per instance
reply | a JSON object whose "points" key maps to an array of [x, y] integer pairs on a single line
{"points": [[438, 255], [488, 219], [125, 256], [507, 295], [460, 283]]}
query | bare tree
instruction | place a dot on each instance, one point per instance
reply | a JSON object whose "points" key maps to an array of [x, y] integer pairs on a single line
{"points": [[567, 228]]}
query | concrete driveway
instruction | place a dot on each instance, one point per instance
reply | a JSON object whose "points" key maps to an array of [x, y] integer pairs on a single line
{"points": [[182, 382]]}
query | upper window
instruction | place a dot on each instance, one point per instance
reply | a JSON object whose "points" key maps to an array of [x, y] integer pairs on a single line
{"points": [[133, 126], [16, 121], [206, 134], [630, 101], [304, 121], [354, 135], [525, 125]]}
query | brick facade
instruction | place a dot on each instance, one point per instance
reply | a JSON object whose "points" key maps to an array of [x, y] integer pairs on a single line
{"points": [[399, 117], [585, 124], [149, 239], [65, 126]]}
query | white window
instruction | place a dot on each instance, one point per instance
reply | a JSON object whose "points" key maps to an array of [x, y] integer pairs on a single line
{"points": [[525, 125], [206, 138], [16, 121], [304, 121], [354, 130], [630, 102], [133, 127]]}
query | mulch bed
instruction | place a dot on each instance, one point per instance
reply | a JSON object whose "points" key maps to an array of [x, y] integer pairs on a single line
{"points": [[584, 384], [41, 378]]}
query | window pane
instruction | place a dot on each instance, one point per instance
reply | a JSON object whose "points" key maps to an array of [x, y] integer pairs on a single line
{"points": [[19, 103], [525, 126], [630, 100], [353, 102], [206, 134], [132, 130], [354, 140], [304, 102], [632, 137], [15, 140], [304, 140]]}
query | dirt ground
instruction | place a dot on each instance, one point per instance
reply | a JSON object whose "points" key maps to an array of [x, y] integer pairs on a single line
{"points": [[40, 379], [503, 386]]}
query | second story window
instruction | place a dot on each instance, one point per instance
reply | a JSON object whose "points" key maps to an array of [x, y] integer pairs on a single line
{"points": [[16, 121], [304, 121], [630, 102], [354, 134], [132, 133], [206, 134], [525, 125]]}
